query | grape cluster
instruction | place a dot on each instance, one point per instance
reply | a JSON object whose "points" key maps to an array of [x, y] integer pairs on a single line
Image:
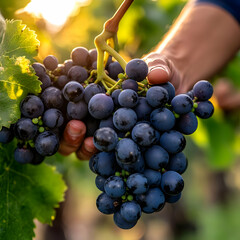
{"points": [[138, 129], [141, 142]]}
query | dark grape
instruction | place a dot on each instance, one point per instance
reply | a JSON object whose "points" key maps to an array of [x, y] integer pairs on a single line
{"points": [[46, 81], [52, 98], [73, 91], [106, 204], [204, 110], [130, 211], [77, 110], [23, 155], [39, 69], [170, 89], [157, 96], [53, 118], [178, 163], [99, 181], [114, 69], [172, 183], [203, 90], [115, 95], [128, 98], [108, 122], [47, 143], [137, 183], [115, 187], [105, 139], [137, 69], [78, 74], [6, 135], [32, 106], [50, 62], [143, 109], [93, 55], [25, 129], [172, 199], [91, 90], [187, 123], [130, 84], [80, 56], [153, 177], [62, 81], [182, 104], [121, 222], [100, 106], [67, 65]]}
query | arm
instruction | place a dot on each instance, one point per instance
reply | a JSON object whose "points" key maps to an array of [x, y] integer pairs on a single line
{"points": [[202, 40]]}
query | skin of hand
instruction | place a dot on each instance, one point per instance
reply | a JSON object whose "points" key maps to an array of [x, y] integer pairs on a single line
{"points": [[202, 40]]}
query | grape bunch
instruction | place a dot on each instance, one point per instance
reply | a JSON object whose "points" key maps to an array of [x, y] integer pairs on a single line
{"points": [[138, 129], [141, 141]]}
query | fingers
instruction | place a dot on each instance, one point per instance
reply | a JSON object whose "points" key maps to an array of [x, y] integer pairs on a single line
{"points": [[162, 70], [72, 137], [87, 149]]}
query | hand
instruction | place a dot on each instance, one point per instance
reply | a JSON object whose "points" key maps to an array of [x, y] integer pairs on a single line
{"points": [[74, 140], [162, 70]]}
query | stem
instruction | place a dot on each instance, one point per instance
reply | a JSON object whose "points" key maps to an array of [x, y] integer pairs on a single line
{"points": [[112, 24]]}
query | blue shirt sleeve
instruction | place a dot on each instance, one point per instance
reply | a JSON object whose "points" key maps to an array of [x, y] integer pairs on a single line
{"points": [[232, 6]]}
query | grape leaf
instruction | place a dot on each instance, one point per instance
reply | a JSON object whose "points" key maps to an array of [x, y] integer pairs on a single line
{"points": [[16, 81], [19, 41], [26, 192]]}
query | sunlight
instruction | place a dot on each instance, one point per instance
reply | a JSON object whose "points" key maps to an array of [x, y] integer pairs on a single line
{"points": [[55, 12]]}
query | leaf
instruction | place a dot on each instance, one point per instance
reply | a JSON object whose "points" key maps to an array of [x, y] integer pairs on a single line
{"points": [[2, 27], [26, 192], [19, 41], [16, 81]]}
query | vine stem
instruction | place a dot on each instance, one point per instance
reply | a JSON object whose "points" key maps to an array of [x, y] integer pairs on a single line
{"points": [[101, 42]]}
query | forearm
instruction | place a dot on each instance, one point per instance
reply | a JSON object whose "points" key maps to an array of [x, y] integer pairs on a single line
{"points": [[202, 40]]}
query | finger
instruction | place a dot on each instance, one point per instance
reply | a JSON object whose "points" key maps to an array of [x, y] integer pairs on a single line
{"points": [[87, 149], [159, 75], [72, 137]]}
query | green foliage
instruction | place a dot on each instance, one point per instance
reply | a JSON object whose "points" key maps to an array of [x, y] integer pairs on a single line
{"points": [[17, 77], [26, 192]]}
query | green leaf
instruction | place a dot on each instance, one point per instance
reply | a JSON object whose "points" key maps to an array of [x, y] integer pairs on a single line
{"points": [[19, 41], [16, 81], [26, 192]]}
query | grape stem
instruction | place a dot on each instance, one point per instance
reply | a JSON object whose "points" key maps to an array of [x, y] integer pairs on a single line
{"points": [[104, 43]]}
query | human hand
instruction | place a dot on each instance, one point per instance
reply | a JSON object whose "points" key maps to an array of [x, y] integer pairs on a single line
{"points": [[74, 140]]}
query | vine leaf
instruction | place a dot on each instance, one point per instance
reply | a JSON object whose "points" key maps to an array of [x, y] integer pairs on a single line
{"points": [[26, 192], [16, 81], [19, 41]]}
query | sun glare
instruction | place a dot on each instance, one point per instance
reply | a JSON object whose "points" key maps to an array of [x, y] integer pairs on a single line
{"points": [[55, 12]]}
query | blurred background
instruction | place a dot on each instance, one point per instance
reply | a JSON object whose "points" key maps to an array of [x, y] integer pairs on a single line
{"points": [[210, 205]]}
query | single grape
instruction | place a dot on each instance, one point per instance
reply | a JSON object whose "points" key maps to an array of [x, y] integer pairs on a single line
{"points": [[156, 157], [162, 119], [6, 135], [172, 199], [23, 155], [172, 183], [204, 110], [107, 122], [105, 139], [157, 96], [115, 95], [47, 143], [114, 69], [78, 74], [203, 90], [53, 118], [170, 89], [151, 201], [182, 104], [127, 151], [173, 141], [52, 98], [99, 181], [60, 70], [67, 65], [190, 94], [130, 84], [143, 109], [124, 119], [62, 81], [130, 211], [103, 164], [37, 158], [32, 107], [178, 163], [153, 177], [100, 106], [187, 123], [73, 91], [46, 81], [50, 62], [77, 110], [137, 183], [80, 56], [137, 69], [143, 134], [136, 167], [121, 222], [25, 129], [115, 187], [93, 55], [39, 69], [106, 204], [128, 98], [91, 90]]}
